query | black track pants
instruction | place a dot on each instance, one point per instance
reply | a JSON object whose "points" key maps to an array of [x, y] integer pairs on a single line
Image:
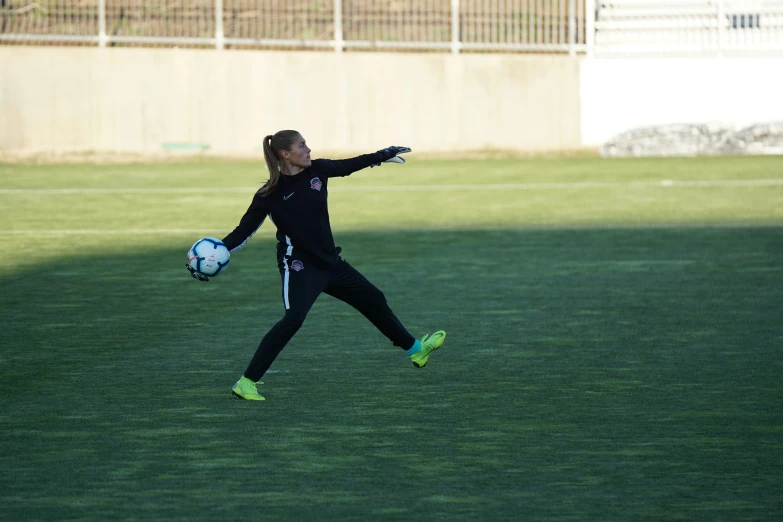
{"points": [[303, 282]]}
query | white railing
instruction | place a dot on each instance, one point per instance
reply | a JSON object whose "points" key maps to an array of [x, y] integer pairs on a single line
{"points": [[688, 26], [445, 25], [552, 26]]}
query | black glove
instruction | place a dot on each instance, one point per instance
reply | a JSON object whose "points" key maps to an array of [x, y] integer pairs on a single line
{"points": [[196, 275], [389, 155]]}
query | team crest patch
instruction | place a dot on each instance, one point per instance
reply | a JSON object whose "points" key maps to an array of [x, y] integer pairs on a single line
{"points": [[297, 265], [316, 184]]}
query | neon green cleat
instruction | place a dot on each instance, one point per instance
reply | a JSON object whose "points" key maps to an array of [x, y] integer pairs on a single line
{"points": [[246, 389], [429, 343]]}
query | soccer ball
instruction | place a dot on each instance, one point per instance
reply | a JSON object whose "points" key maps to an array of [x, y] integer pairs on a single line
{"points": [[208, 256]]}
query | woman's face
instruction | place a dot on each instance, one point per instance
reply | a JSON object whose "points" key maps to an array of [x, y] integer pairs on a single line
{"points": [[299, 155]]}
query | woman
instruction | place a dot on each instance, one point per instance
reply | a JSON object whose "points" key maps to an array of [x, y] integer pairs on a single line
{"points": [[295, 199]]}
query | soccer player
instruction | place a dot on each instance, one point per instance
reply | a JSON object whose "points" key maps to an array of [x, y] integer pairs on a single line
{"points": [[295, 199]]}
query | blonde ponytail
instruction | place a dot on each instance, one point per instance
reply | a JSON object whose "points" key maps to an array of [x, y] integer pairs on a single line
{"points": [[273, 144]]}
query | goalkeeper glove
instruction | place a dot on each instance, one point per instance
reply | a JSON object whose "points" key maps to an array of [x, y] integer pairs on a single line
{"points": [[390, 155], [196, 275]]}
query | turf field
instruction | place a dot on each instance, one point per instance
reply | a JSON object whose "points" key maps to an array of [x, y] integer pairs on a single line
{"points": [[614, 350]]}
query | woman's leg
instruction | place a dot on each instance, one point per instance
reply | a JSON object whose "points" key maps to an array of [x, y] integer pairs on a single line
{"points": [[302, 284], [349, 286]]}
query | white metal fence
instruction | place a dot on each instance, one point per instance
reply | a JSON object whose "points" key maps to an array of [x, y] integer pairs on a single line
{"points": [[692, 26], [446, 25], [564, 26]]}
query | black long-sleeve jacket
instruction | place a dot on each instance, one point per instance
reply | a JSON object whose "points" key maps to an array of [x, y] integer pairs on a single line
{"points": [[298, 208]]}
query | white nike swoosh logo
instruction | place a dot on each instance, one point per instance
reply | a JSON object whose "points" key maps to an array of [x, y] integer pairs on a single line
{"points": [[288, 196]]}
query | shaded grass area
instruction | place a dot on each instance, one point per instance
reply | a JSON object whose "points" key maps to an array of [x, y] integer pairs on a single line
{"points": [[588, 375]]}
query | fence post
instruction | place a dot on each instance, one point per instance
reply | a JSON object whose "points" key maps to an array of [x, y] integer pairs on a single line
{"points": [[339, 43], [102, 23], [721, 29], [590, 27], [571, 27], [455, 39], [219, 36]]}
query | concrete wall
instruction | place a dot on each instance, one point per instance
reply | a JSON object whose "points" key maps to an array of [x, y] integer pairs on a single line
{"points": [[133, 100], [622, 94]]}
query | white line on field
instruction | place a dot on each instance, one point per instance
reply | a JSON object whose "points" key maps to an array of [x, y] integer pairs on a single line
{"points": [[130, 190], [419, 188], [530, 228], [571, 185], [108, 232]]}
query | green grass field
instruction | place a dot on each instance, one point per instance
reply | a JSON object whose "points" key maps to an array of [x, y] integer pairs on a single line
{"points": [[614, 351]]}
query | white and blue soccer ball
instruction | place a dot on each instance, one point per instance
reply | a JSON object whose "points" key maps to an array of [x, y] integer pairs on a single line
{"points": [[208, 256]]}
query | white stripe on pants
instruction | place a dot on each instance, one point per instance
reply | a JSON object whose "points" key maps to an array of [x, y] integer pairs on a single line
{"points": [[285, 284]]}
